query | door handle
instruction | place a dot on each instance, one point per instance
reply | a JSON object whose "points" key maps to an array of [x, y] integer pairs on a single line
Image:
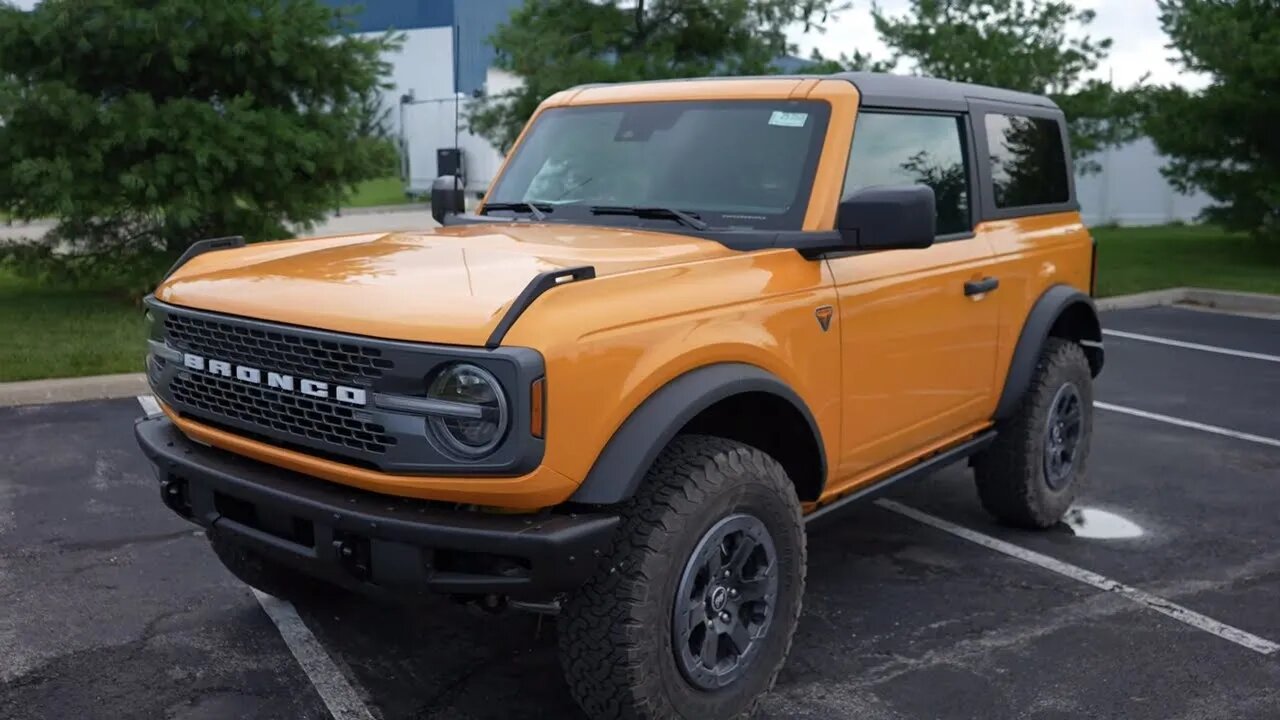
{"points": [[977, 287]]}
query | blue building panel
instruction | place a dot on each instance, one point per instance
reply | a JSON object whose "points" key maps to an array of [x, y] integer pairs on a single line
{"points": [[474, 22], [381, 15]]}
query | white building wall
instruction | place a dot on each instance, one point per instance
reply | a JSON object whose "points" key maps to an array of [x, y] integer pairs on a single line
{"points": [[423, 67], [430, 126], [1130, 190]]}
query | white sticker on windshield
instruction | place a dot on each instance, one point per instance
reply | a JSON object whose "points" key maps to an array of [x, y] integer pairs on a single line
{"points": [[788, 119]]}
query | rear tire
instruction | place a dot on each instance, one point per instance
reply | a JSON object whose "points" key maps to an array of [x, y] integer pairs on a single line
{"points": [[1037, 466], [261, 573], [623, 637]]}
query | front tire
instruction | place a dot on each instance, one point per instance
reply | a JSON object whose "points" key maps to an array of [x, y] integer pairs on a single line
{"points": [[661, 631], [1037, 466]]}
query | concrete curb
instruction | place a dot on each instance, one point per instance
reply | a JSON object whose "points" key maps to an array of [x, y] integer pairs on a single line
{"points": [[1153, 298], [383, 209], [1239, 302], [1228, 301], [60, 390]]}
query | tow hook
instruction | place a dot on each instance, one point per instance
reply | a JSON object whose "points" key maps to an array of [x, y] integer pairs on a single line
{"points": [[353, 553], [174, 494]]}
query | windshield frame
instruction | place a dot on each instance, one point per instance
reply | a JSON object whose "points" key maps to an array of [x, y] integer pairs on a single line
{"points": [[820, 111]]}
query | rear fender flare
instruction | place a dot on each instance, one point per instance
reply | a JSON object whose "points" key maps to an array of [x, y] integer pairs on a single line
{"points": [[1055, 303]]}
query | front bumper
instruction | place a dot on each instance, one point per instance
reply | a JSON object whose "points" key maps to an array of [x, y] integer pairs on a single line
{"points": [[369, 542]]}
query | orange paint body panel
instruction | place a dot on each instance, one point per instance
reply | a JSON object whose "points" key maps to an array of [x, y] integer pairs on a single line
{"points": [[907, 365]]}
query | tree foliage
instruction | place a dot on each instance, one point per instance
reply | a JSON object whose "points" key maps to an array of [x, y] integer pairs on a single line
{"points": [[1223, 140], [858, 61], [556, 44], [1020, 45], [144, 125]]}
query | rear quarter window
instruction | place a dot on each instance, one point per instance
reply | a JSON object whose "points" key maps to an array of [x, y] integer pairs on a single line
{"points": [[1028, 161]]}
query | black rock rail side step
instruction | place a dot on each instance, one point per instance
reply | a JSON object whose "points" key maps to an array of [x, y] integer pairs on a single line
{"points": [[929, 465], [538, 285]]}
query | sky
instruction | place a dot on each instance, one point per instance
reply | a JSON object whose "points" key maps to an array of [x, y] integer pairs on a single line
{"points": [[1133, 26]]}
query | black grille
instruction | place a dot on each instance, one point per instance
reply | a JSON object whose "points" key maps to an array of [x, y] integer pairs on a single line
{"points": [[279, 350], [303, 418]]}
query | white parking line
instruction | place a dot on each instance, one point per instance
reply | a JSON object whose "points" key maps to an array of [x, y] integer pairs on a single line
{"points": [[149, 405], [1189, 424], [338, 695], [335, 690], [1192, 346], [1160, 605]]}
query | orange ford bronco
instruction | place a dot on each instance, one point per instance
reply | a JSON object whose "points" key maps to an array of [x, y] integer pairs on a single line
{"points": [[687, 317]]}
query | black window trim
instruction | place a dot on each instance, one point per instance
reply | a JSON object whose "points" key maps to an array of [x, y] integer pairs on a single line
{"points": [[978, 112], [967, 148]]}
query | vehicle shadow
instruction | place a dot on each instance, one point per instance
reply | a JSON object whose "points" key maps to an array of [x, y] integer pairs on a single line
{"points": [[443, 660]]}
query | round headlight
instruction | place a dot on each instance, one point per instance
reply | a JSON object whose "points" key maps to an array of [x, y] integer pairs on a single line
{"points": [[477, 418]]}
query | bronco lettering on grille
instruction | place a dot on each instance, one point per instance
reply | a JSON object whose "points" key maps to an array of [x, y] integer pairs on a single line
{"points": [[278, 381]]}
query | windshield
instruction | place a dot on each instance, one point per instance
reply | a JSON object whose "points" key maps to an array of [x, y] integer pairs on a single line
{"points": [[737, 164]]}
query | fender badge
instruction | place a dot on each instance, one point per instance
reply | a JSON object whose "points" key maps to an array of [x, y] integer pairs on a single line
{"points": [[824, 314]]}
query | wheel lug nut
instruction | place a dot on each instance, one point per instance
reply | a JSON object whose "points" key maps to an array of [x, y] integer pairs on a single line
{"points": [[733, 592], [724, 617], [727, 573]]}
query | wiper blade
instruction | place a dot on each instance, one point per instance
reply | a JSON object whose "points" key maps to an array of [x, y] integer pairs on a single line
{"points": [[537, 210], [679, 216]]}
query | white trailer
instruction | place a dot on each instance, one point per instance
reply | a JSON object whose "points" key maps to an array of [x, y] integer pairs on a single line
{"points": [[429, 125]]}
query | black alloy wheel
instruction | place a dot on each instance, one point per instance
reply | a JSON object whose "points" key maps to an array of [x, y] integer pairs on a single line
{"points": [[725, 601], [1064, 426]]}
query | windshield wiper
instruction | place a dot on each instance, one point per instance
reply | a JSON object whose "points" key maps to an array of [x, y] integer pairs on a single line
{"points": [[537, 210], [679, 216]]}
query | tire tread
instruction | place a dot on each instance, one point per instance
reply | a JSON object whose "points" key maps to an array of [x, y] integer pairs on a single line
{"points": [[600, 636]]}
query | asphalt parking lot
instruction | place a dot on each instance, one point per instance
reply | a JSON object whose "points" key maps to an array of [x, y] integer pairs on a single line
{"points": [[111, 607]]}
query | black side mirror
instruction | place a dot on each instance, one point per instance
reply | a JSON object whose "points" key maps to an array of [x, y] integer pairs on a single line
{"points": [[447, 197], [888, 218]]}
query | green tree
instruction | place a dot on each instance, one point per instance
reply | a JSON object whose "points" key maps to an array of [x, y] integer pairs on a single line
{"points": [[143, 125], [1020, 45], [857, 62], [556, 44], [1223, 139]]}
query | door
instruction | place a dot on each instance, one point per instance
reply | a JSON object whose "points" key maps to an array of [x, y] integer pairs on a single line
{"points": [[918, 328]]}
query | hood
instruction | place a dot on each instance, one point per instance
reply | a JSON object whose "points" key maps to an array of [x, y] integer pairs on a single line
{"points": [[449, 285]]}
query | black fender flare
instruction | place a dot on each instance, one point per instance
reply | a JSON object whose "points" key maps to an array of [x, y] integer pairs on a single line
{"points": [[1056, 302], [622, 464]]}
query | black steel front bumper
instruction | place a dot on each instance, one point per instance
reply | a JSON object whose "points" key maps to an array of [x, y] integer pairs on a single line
{"points": [[373, 543]]}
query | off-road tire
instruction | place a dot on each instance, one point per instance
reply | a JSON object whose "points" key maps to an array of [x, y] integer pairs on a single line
{"points": [[1011, 477], [615, 634], [262, 573]]}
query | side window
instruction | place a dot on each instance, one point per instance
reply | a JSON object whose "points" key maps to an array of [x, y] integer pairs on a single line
{"points": [[898, 149], [1028, 162]]}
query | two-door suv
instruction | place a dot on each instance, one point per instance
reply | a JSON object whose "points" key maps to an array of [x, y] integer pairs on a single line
{"points": [[687, 317]]}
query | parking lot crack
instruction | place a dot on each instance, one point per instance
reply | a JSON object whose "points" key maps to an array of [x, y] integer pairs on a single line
{"points": [[118, 543]]}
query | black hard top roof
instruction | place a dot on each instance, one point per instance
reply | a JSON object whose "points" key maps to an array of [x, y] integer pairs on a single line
{"points": [[909, 91], [904, 91]]}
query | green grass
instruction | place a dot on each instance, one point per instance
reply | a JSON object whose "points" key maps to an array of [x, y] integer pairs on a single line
{"points": [[47, 333], [1133, 260], [382, 191]]}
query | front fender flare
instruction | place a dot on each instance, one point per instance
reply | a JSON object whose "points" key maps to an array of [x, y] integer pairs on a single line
{"points": [[626, 458]]}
